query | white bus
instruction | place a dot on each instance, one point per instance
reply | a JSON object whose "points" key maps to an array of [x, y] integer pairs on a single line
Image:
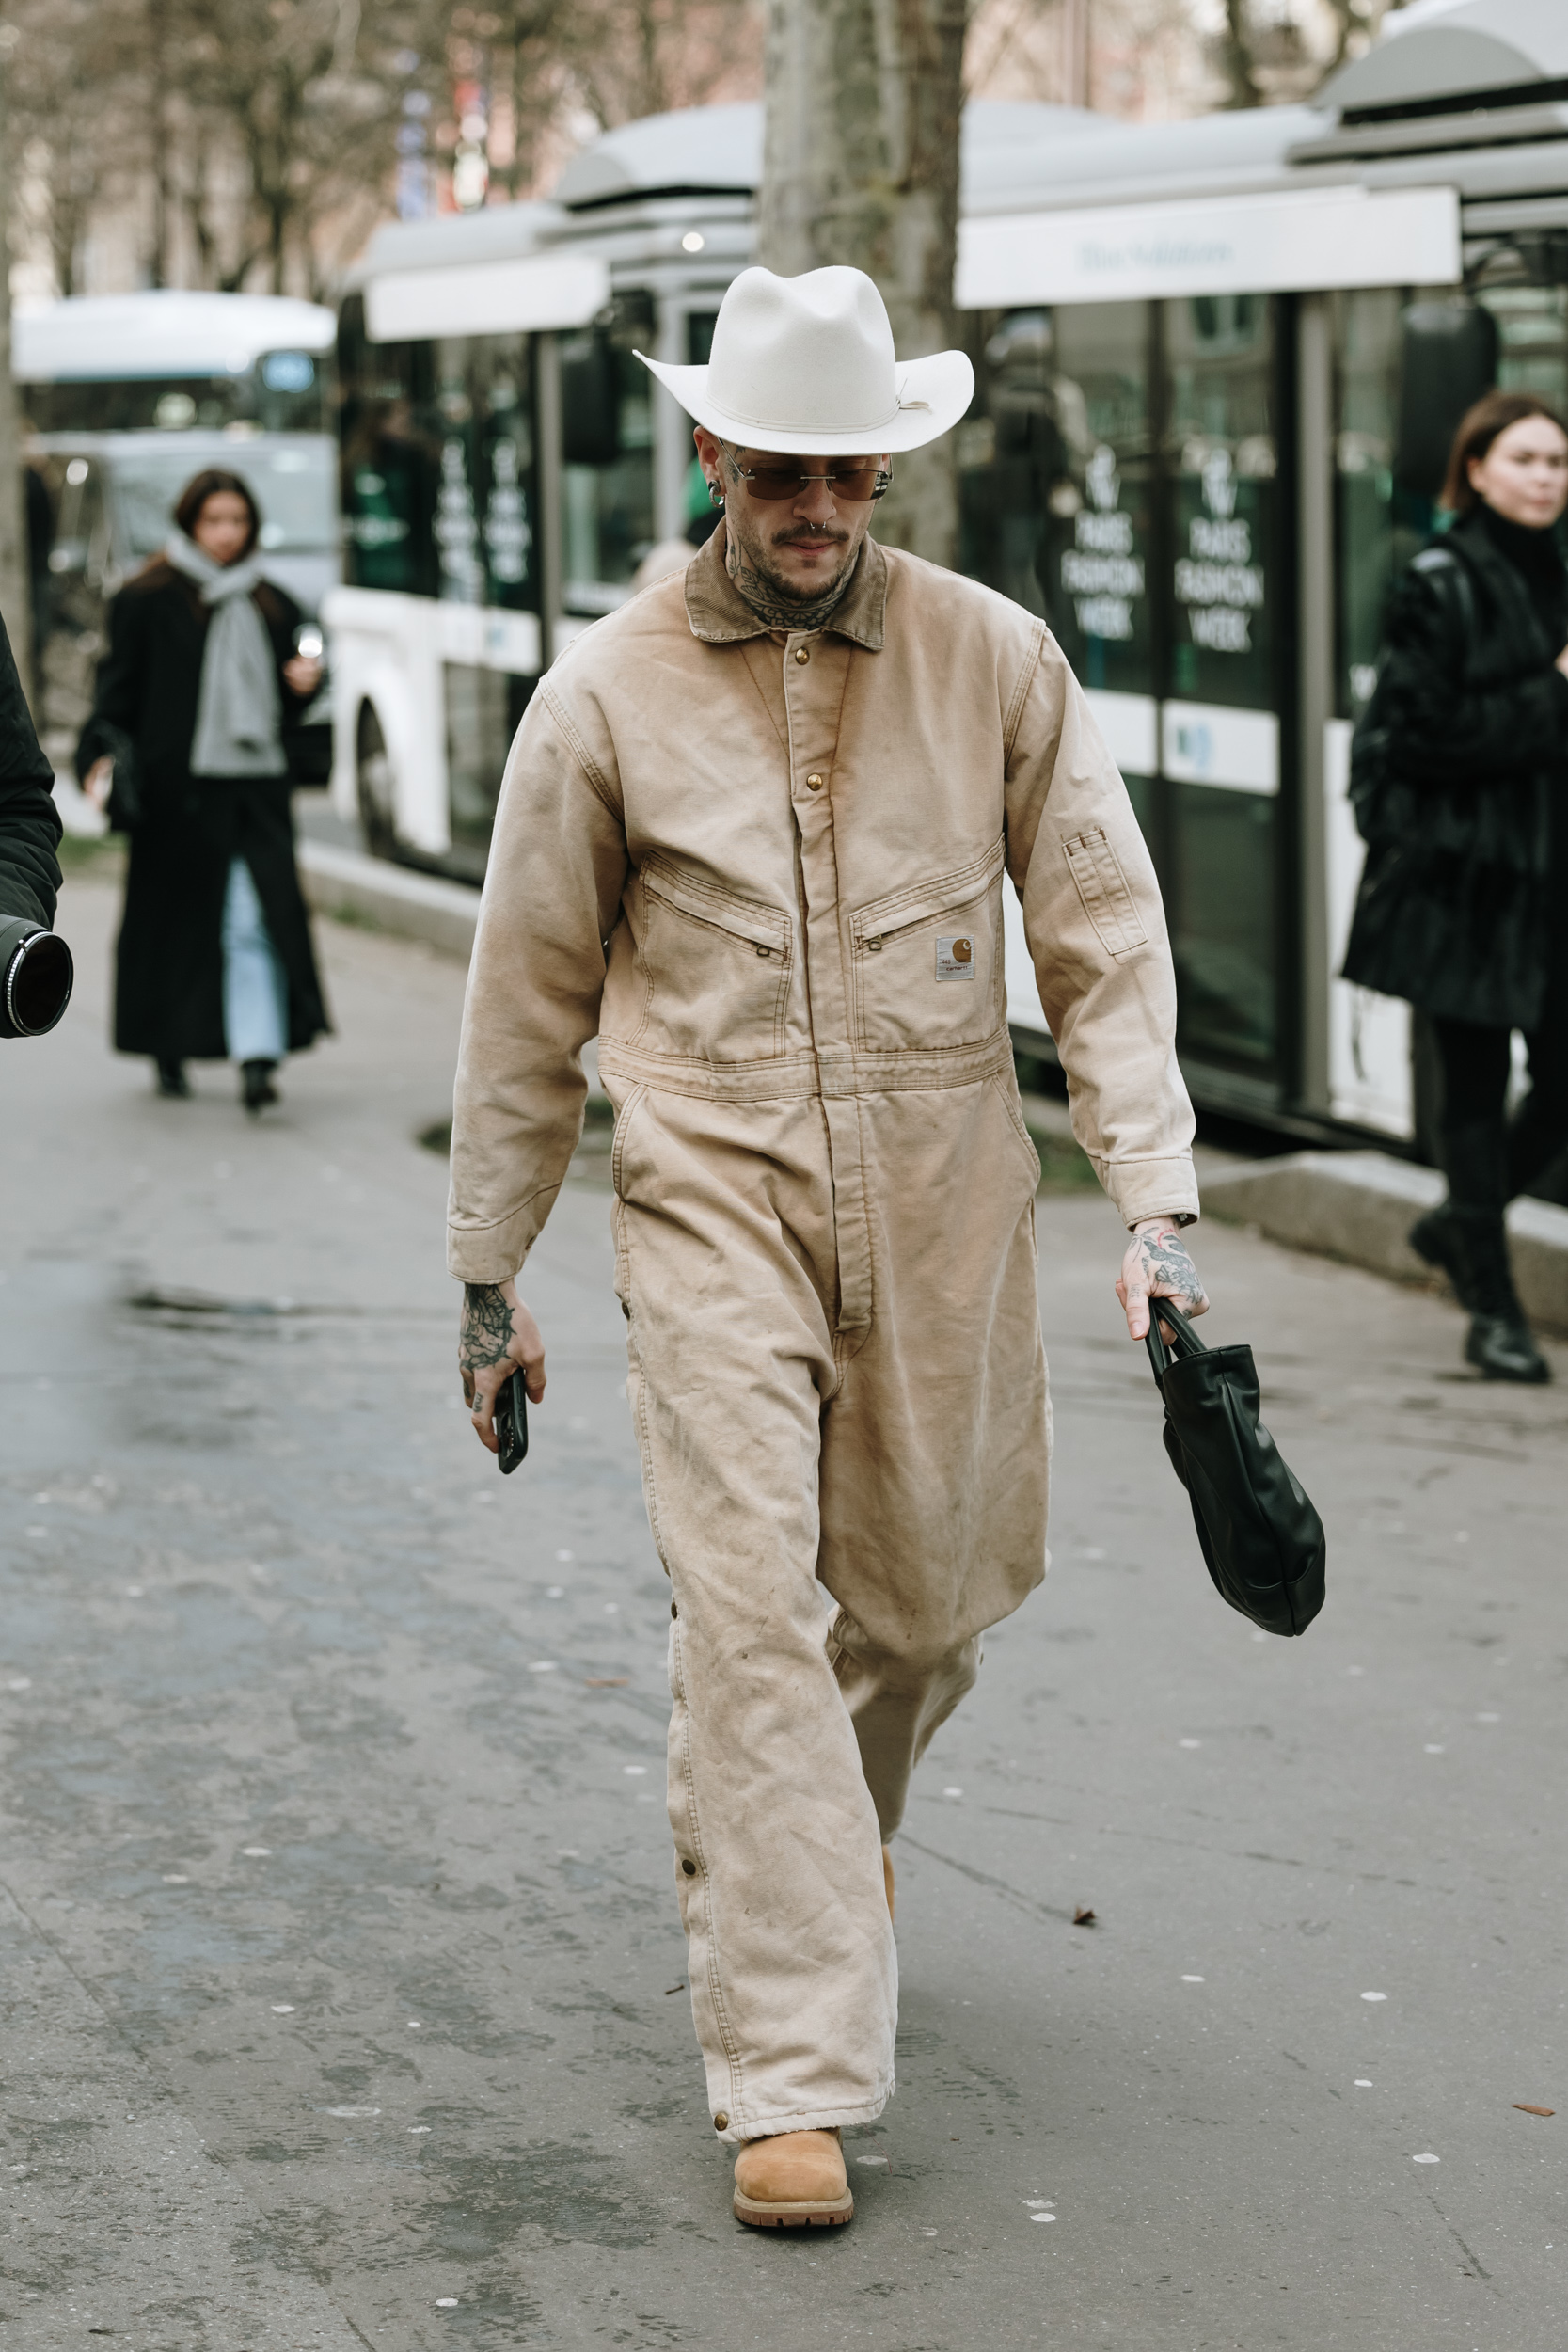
{"points": [[1218, 365]]}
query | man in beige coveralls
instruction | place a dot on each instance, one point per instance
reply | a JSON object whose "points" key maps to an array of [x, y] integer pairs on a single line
{"points": [[752, 833]]}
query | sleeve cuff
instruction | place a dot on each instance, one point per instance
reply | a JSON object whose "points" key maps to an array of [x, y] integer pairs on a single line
{"points": [[1142, 1189]]}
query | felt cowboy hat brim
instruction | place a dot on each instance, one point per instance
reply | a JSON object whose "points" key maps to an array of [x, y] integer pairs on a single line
{"points": [[805, 366], [930, 396]]}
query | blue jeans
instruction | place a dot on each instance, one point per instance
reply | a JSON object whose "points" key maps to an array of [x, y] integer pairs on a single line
{"points": [[255, 991]]}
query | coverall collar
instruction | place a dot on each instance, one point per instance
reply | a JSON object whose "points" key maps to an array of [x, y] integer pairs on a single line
{"points": [[719, 614]]}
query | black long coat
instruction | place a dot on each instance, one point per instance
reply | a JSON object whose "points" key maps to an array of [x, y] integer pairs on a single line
{"points": [[168, 994], [1459, 774]]}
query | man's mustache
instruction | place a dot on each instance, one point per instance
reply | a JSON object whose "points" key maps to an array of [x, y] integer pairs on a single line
{"points": [[810, 531]]}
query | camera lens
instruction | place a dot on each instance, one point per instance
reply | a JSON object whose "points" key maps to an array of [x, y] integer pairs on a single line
{"points": [[37, 987]]}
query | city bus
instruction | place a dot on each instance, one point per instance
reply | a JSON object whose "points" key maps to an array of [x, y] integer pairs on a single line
{"points": [[1218, 365]]}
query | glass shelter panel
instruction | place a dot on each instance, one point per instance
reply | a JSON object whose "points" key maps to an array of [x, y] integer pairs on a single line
{"points": [[1222, 495], [1223, 463], [1096, 549]]}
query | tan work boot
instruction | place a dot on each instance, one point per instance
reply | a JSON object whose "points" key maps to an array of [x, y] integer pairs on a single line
{"points": [[887, 1877], [793, 2181]]}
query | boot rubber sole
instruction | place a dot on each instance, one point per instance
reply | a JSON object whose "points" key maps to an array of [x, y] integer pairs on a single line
{"points": [[822, 2213]]}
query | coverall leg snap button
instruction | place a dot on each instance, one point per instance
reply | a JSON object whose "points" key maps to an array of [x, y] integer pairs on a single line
{"points": [[690, 1869], [721, 2123], [674, 1611]]}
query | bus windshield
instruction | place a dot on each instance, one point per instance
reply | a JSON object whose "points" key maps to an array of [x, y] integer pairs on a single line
{"points": [[292, 480]]}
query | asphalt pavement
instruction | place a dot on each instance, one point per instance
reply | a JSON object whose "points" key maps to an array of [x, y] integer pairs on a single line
{"points": [[344, 1991]]}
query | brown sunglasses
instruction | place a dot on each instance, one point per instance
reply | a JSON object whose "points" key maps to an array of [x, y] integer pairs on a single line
{"points": [[769, 484]]}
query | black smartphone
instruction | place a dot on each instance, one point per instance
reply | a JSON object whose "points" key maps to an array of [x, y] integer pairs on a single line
{"points": [[512, 1422]]}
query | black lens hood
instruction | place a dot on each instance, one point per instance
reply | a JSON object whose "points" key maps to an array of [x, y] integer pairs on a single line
{"points": [[36, 978]]}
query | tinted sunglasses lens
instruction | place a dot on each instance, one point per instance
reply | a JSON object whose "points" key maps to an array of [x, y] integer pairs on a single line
{"points": [[769, 483]]}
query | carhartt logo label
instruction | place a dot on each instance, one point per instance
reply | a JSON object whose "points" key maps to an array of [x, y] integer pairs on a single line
{"points": [[955, 957]]}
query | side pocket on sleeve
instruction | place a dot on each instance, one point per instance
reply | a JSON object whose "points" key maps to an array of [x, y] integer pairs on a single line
{"points": [[1102, 887]]}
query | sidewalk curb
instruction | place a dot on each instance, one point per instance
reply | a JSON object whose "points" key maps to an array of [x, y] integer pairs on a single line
{"points": [[1358, 1206], [383, 896]]}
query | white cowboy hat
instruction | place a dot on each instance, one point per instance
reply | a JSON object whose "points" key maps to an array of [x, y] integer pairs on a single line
{"points": [[807, 364]]}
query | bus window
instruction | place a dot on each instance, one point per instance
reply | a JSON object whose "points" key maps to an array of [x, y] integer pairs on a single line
{"points": [[286, 391], [607, 481], [439, 495], [389, 459]]}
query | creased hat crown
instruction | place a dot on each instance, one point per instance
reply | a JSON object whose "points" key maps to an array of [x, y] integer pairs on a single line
{"points": [[808, 363], [824, 340]]}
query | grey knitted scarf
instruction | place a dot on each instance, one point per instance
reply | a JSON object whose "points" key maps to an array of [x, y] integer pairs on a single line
{"points": [[238, 713]]}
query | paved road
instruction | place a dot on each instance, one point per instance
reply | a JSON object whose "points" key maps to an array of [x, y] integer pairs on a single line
{"points": [[344, 1989]]}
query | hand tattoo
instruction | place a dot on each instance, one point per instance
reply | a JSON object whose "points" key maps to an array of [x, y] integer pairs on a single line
{"points": [[1169, 1271], [484, 1336]]}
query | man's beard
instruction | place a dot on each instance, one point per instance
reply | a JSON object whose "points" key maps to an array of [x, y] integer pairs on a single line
{"points": [[782, 602]]}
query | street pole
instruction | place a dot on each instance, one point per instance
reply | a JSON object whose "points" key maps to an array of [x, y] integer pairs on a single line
{"points": [[15, 584], [861, 165]]}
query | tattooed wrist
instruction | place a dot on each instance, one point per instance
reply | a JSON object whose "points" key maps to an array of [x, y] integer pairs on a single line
{"points": [[485, 1337]]}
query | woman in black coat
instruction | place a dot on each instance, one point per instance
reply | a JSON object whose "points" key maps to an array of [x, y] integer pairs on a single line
{"points": [[195, 698], [1459, 776]]}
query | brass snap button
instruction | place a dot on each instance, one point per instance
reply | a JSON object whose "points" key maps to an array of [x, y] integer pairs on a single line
{"points": [[721, 2123], [813, 784], [674, 1611], [801, 654], [690, 1869]]}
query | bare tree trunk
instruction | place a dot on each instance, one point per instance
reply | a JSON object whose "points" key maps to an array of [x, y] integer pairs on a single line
{"points": [[1075, 53], [861, 165], [1236, 53], [16, 599], [163, 202]]}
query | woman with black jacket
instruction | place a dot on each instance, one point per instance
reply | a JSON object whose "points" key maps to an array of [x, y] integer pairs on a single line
{"points": [[195, 697], [1459, 776]]}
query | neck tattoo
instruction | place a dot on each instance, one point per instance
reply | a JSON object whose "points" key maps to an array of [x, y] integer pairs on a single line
{"points": [[768, 601]]}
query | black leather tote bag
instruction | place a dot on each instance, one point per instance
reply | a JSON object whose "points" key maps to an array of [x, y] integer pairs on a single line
{"points": [[1261, 1539]]}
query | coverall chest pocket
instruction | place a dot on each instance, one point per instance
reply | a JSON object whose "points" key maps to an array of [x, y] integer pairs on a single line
{"points": [[719, 968], [927, 961]]}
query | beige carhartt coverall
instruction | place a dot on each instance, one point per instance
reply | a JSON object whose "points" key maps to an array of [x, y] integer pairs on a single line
{"points": [[767, 870]]}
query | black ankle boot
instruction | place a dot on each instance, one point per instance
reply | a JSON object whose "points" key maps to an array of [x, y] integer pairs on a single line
{"points": [[1434, 1238], [256, 1086], [172, 1081], [1500, 1343]]}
